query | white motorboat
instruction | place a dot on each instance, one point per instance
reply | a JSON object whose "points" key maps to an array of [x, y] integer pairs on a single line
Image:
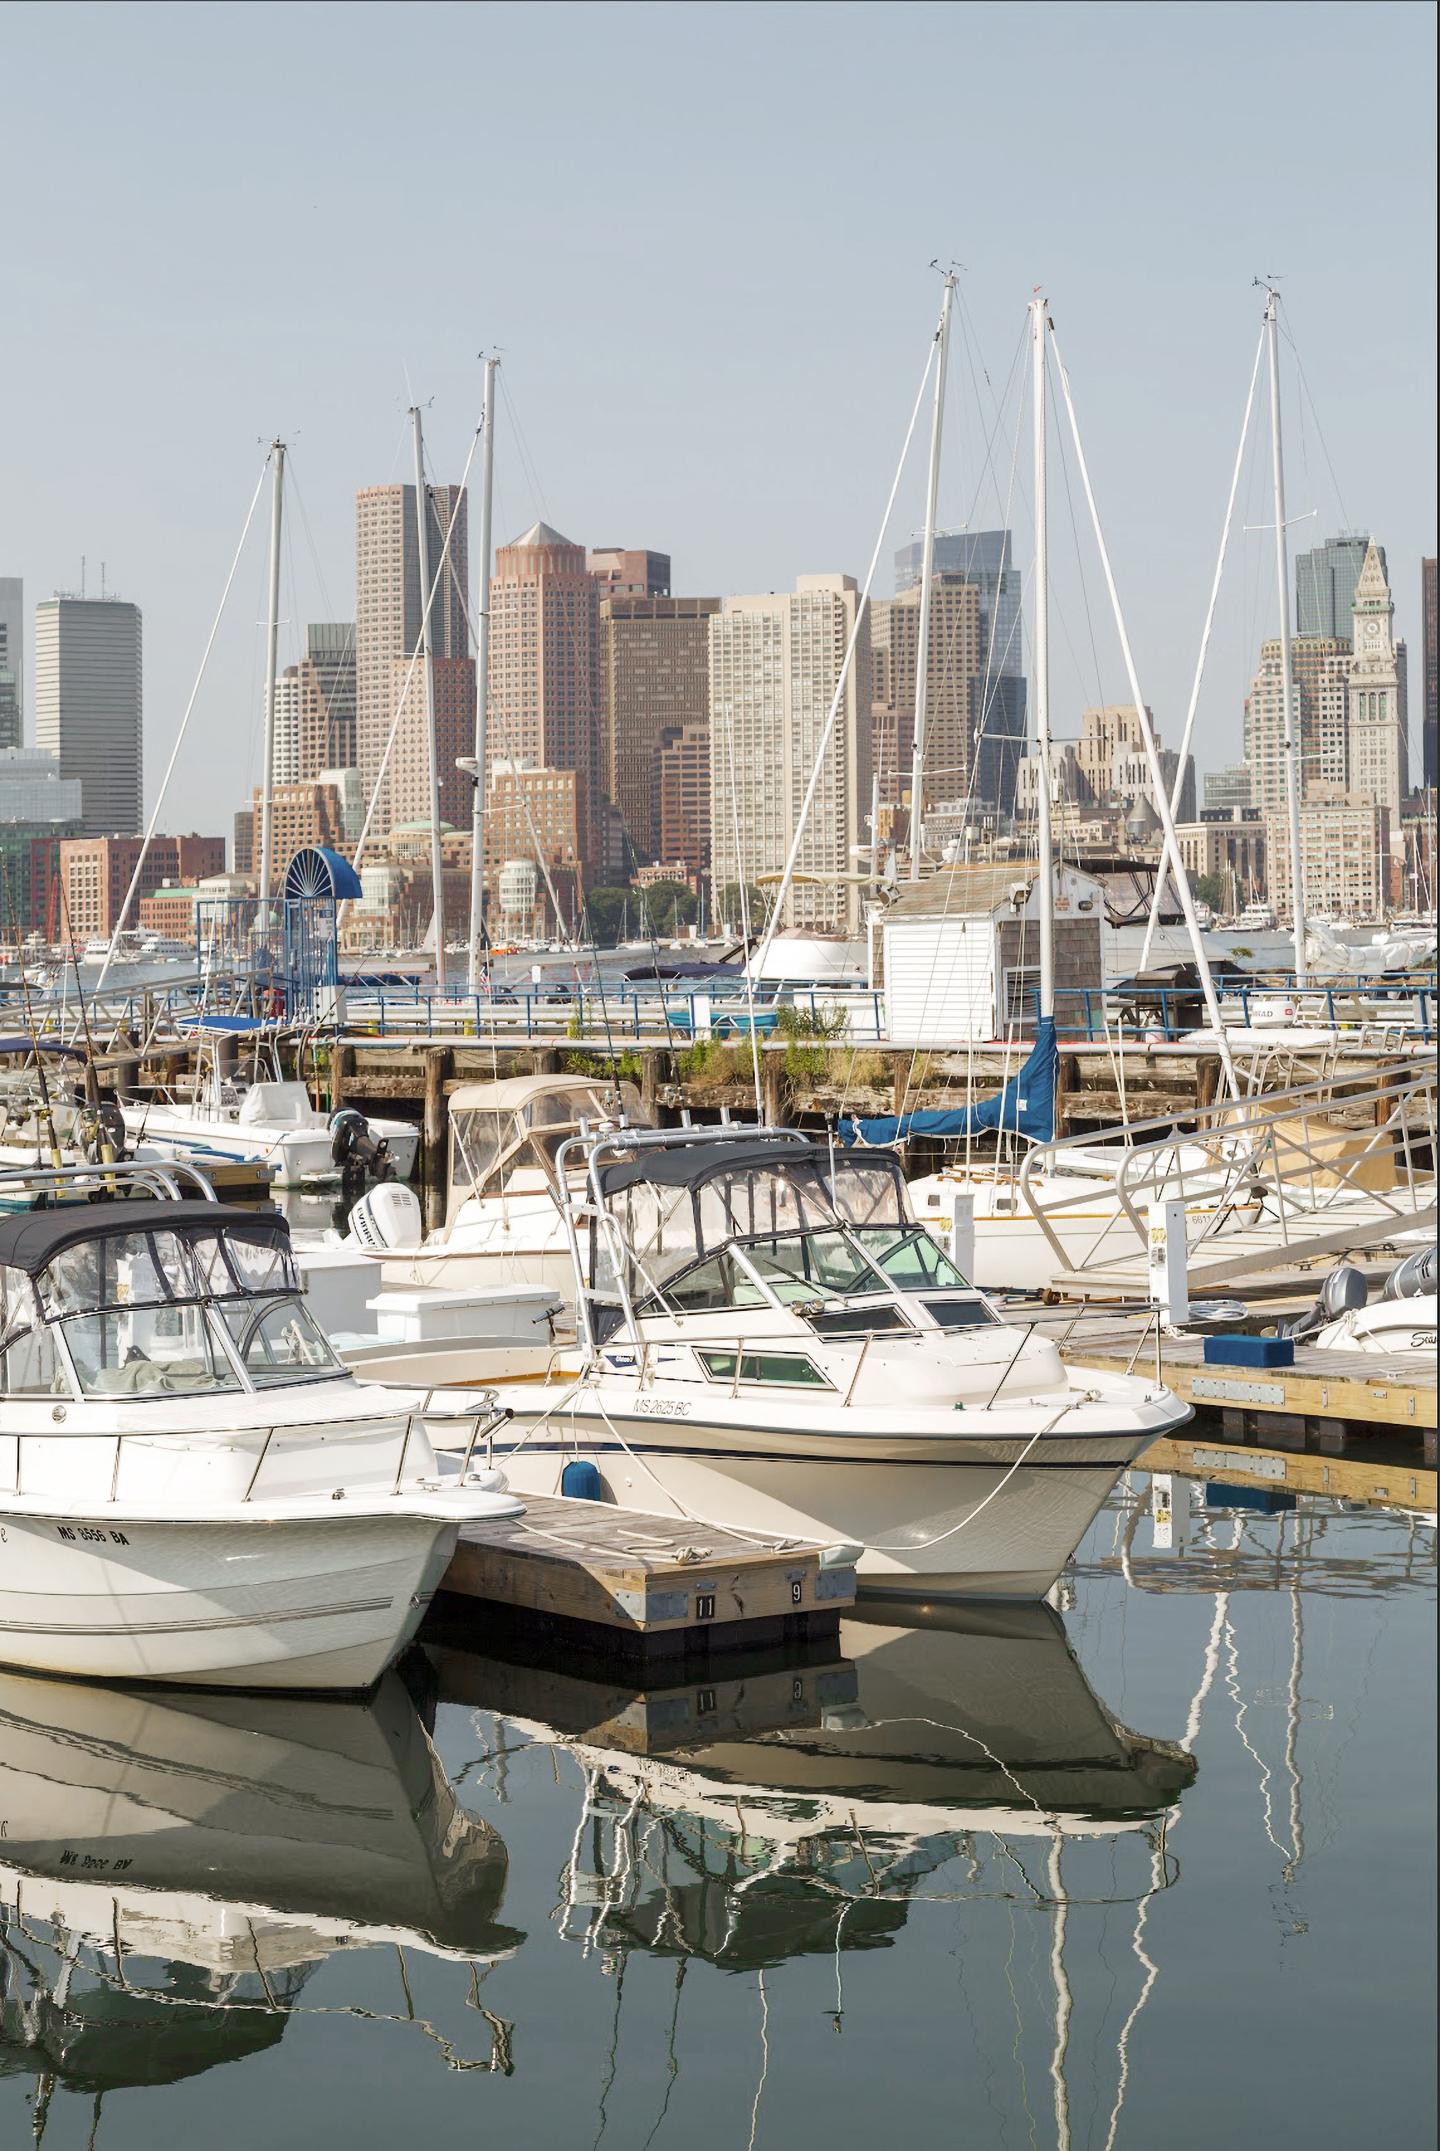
{"points": [[503, 1225], [770, 1342], [1406, 1318], [193, 1487], [271, 1120]]}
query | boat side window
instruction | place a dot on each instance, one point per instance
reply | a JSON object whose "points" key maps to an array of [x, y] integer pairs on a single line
{"points": [[788, 1369], [960, 1314], [130, 1269], [231, 1263], [278, 1340], [710, 1287]]}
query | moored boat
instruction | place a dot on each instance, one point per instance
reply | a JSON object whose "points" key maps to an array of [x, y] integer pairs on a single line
{"points": [[193, 1487]]}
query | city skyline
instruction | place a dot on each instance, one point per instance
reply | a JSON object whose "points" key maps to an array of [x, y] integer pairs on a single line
{"points": [[715, 400]]}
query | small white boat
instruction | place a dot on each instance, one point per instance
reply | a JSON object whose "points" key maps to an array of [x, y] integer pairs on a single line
{"points": [[193, 1487], [503, 1223], [270, 1121], [770, 1342]]}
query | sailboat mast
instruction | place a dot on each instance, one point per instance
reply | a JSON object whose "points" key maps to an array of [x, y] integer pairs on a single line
{"points": [[482, 683], [427, 666], [272, 652], [1287, 685], [1038, 330], [927, 577]]}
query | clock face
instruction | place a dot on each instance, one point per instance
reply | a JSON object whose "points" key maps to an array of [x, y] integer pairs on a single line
{"points": [[1372, 633]]}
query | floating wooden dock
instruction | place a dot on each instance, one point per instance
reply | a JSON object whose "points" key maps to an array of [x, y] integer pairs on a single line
{"points": [[1350, 1478], [650, 1587], [1337, 1396]]}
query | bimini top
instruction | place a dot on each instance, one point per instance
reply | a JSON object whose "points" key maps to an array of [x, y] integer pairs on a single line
{"points": [[692, 1164], [30, 1240]]}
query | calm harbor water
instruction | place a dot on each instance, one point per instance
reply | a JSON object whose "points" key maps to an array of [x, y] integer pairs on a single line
{"points": [[1157, 1869]]}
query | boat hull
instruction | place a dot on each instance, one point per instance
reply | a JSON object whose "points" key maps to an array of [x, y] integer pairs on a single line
{"points": [[305, 1603], [967, 1521]]}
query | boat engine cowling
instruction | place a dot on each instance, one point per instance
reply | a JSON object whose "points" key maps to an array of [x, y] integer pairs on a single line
{"points": [[359, 1154], [1415, 1277], [388, 1216], [1343, 1291]]}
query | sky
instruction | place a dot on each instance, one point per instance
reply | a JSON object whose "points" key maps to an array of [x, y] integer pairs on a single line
{"points": [[700, 237]]}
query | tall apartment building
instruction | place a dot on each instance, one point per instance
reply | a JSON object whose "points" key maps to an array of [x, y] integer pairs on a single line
{"points": [[544, 691], [956, 664], [1377, 745], [88, 704], [998, 701], [654, 675], [530, 811], [389, 606], [1229, 788], [1345, 848], [1430, 669], [1319, 672], [622, 571], [1325, 580], [303, 811], [774, 664], [682, 797], [454, 690], [12, 661], [96, 872]]}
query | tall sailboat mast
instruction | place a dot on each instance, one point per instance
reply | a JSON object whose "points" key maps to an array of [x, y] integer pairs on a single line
{"points": [[482, 684], [1039, 326], [272, 652], [1293, 785], [927, 576], [427, 666]]}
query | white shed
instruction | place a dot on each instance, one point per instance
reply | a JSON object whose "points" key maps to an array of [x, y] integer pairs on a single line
{"points": [[962, 953]]}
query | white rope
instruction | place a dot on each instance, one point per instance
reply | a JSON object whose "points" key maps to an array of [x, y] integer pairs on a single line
{"points": [[179, 736], [1188, 732]]}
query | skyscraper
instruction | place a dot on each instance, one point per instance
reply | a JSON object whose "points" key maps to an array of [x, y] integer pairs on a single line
{"points": [[1319, 671], [654, 668], [774, 664], [1325, 580], [327, 698], [997, 699], [543, 707], [12, 661], [1430, 666], [622, 571], [957, 660], [88, 705], [389, 606]]}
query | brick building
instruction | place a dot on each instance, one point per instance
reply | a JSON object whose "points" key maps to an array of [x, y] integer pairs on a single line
{"points": [[96, 872]]}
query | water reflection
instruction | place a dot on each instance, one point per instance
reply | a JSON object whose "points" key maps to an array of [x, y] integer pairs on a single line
{"points": [[174, 1866]]}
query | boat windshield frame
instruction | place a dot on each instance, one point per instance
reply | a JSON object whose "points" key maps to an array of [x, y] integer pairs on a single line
{"points": [[223, 1293], [524, 1133]]}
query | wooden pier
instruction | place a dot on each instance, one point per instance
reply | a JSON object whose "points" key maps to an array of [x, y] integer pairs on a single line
{"points": [[1331, 1397], [647, 1587]]}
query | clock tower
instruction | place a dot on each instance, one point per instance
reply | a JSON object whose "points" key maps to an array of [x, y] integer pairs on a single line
{"points": [[1376, 758]]}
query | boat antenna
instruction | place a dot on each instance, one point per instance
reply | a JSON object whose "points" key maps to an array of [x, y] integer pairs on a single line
{"points": [[47, 1107]]}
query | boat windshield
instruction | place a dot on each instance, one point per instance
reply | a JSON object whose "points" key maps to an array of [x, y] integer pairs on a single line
{"points": [[911, 1257], [489, 1144], [152, 1312]]}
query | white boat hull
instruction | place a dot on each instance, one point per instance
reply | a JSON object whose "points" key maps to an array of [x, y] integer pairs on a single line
{"points": [[304, 1603], [921, 1521], [296, 1155]]}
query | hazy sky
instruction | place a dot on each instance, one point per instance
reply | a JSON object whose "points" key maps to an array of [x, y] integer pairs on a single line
{"points": [[700, 236]]}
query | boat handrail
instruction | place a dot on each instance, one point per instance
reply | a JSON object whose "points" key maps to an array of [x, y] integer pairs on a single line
{"points": [[148, 1176]]}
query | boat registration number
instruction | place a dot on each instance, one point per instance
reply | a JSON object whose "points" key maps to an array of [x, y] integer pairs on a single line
{"points": [[90, 1535], [662, 1408]]}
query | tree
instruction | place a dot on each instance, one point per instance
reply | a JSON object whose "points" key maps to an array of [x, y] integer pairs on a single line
{"points": [[1210, 889], [758, 901], [604, 910], [666, 906]]}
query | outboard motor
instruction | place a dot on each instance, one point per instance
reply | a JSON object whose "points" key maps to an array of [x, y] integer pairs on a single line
{"points": [[1345, 1288], [388, 1217], [1415, 1277], [359, 1154]]}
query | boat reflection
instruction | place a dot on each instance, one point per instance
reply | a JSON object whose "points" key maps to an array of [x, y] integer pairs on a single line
{"points": [[174, 1865], [785, 1809]]}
